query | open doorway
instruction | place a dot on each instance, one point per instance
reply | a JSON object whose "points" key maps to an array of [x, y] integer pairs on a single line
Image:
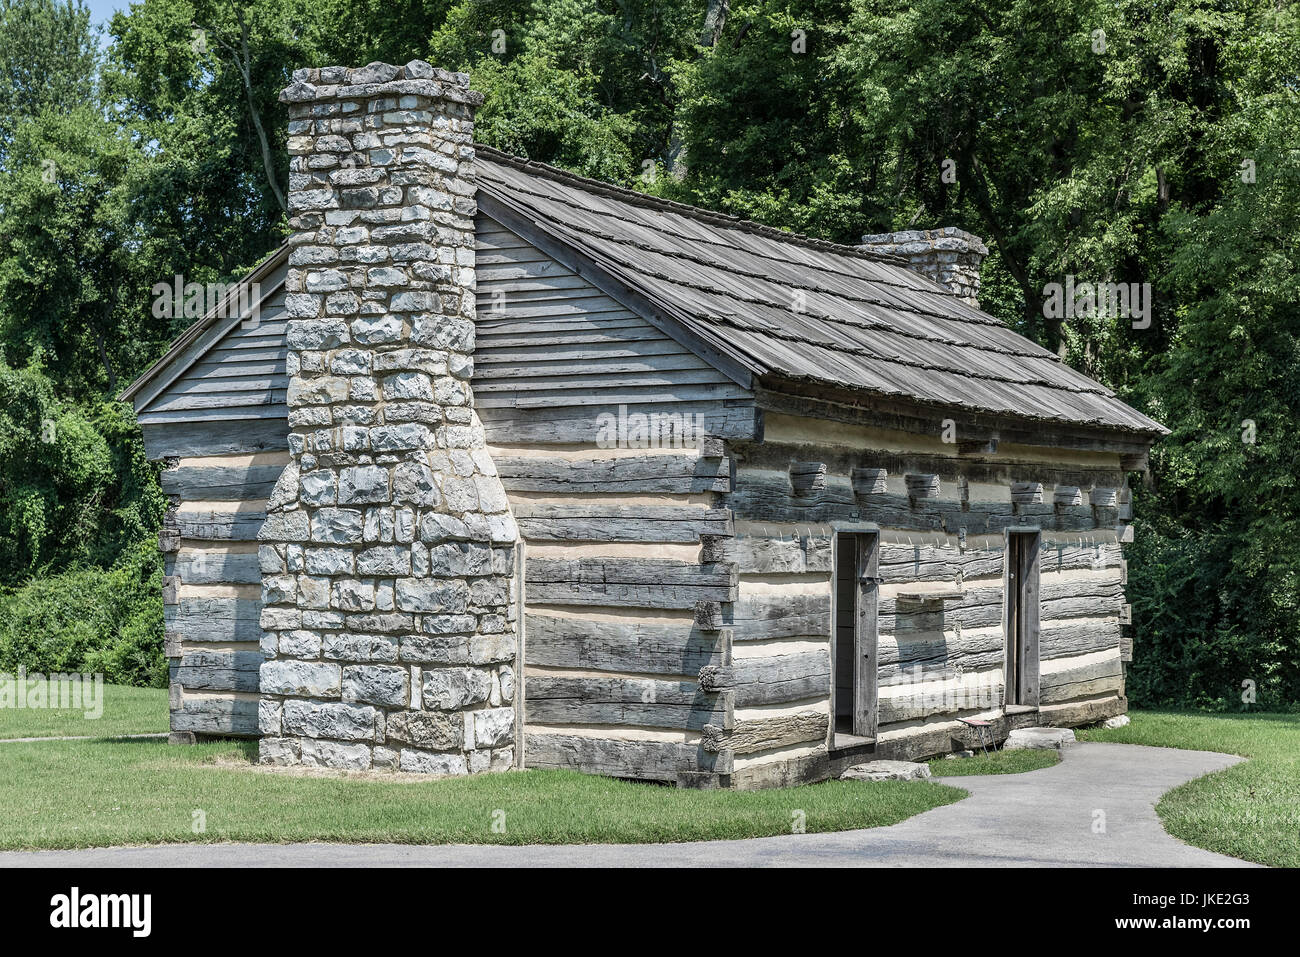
{"points": [[1020, 622], [857, 570]]}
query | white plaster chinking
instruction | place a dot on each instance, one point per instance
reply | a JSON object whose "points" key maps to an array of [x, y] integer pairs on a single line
{"points": [[387, 555]]}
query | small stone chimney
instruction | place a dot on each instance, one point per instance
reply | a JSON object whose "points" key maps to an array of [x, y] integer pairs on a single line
{"points": [[949, 255], [388, 551]]}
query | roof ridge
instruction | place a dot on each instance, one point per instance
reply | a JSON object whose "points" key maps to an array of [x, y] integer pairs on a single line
{"points": [[697, 212]]}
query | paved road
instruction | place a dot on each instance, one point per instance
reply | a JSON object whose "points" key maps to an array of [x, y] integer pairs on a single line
{"points": [[1043, 818]]}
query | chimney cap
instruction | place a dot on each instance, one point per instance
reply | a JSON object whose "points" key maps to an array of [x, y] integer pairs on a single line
{"points": [[377, 79], [948, 238]]}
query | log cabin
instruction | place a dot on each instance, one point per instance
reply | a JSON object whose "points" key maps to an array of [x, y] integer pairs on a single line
{"points": [[495, 466]]}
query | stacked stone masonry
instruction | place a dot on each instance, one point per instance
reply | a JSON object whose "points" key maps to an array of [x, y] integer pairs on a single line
{"points": [[949, 256], [388, 552]]}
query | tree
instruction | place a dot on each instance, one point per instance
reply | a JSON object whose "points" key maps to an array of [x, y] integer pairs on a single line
{"points": [[47, 61]]}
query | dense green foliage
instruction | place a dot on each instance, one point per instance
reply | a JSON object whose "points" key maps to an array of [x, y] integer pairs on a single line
{"points": [[1116, 141]]}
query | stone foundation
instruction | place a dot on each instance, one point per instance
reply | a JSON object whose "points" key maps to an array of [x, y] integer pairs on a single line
{"points": [[388, 552]]}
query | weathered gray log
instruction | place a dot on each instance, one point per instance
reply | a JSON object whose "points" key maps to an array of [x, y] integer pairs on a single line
{"points": [[1027, 493], [931, 657], [219, 670], [643, 760], [1062, 639], [709, 615], [930, 700], [941, 563], [633, 702], [758, 555], [766, 734], [1103, 497], [630, 475], [914, 619], [903, 563], [634, 646], [926, 742], [641, 583], [215, 619], [922, 485], [208, 525], [1067, 495], [1083, 712], [759, 617], [772, 679], [762, 496], [619, 523], [981, 607], [868, 481], [1084, 681], [221, 483], [786, 773], [807, 477], [216, 716], [215, 567]]}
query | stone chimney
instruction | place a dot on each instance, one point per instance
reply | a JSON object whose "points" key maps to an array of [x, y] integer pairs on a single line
{"points": [[949, 255], [387, 555]]}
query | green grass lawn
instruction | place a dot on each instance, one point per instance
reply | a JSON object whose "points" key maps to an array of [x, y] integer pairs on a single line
{"points": [[996, 762], [1251, 810], [125, 710], [100, 793]]}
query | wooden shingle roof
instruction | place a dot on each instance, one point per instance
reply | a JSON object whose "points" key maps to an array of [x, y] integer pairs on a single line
{"points": [[769, 305], [788, 307]]}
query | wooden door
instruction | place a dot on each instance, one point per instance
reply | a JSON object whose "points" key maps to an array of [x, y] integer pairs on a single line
{"points": [[866, 636], [1022, 618], [856, 662]]}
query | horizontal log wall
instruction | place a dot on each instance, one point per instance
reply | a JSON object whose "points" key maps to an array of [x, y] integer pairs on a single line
{"points": [[623, 614], [220, 424], [781, 669], [943, 518], [212, 594]]}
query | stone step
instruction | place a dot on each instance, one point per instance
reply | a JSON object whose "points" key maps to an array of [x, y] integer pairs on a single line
{"points": [[886, 771], [1033, 739]]}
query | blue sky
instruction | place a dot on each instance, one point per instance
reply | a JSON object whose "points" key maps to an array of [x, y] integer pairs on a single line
{"points": [[101, 11]]}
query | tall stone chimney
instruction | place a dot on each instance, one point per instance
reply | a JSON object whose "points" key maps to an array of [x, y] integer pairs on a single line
{"points": [[949, 255], [387, 555]]}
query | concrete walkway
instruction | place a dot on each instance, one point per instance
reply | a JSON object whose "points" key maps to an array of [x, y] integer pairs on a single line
{"points": [[1044, 818]]}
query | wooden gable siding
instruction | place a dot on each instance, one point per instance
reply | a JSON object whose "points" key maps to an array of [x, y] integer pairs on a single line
{"points": [[553, 352], [240, 376], [228, 396]]}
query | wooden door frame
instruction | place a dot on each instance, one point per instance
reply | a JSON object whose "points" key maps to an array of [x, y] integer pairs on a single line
{"points": [[864, 713], [1023, 640]]}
